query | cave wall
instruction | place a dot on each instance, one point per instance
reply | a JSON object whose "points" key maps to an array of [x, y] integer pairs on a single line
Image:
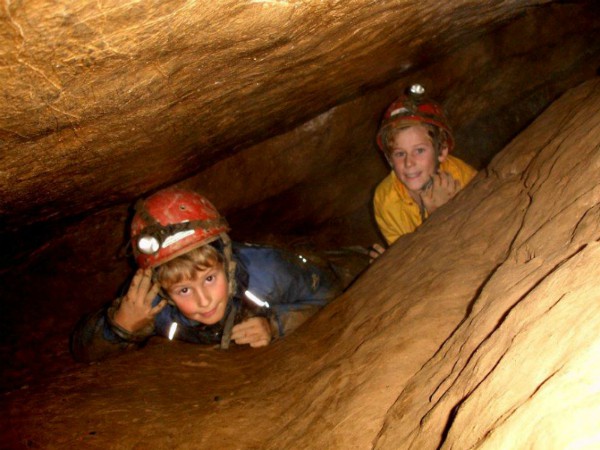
{"points": [[104, 102], [163, 89], [310, 185], [521, 369], [488, 341]]}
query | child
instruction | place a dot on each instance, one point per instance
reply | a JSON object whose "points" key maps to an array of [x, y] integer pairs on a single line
{"points": [[195, 285], [416, 140]]}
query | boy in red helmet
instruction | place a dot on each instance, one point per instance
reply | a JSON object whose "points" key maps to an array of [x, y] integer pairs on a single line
{"points": [[195, 285], [416, 140]]}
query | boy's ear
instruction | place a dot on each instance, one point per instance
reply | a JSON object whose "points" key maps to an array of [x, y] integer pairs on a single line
{"points": [[443, 154]]}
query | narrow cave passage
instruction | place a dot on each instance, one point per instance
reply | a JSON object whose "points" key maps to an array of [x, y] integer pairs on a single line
{"points": [[271, 110]]}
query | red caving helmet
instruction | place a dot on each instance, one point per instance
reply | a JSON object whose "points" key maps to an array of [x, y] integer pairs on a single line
{"points": [[415, 107], [172, 222]]}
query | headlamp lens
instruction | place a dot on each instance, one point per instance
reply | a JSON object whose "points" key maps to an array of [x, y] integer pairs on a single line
{"points": [[148, 245], [417, 89]]}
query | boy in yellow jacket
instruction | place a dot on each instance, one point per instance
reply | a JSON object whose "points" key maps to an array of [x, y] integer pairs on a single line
{"points": [[416, 140]]}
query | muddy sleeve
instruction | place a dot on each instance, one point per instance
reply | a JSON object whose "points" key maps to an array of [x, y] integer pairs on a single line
{"points": [[97, 337], [286, 320]]}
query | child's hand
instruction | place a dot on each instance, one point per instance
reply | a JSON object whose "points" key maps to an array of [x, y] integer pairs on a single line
{"points": [[255, 331], [439, 192], [375, 252], [136, 311]]}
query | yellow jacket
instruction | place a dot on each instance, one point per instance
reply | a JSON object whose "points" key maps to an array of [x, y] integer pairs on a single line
{"points": [[397, 213]]}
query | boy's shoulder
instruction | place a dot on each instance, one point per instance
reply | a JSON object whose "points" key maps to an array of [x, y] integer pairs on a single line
{"points": [[252, 254], [267, 259], [458, 168], [456, 161], [390, 192], [385, 186]]}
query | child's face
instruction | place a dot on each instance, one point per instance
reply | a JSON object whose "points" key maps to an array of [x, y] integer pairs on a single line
{"points": [[203, 298], [412, 156]]}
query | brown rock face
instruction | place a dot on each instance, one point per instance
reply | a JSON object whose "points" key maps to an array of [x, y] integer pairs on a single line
{"points": [[479, 330], [519, 369], [489, 341], [109, 101]]}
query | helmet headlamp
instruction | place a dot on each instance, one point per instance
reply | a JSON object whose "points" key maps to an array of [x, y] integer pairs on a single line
{"points": [[157, 236], [148, 245], [416, 89]]}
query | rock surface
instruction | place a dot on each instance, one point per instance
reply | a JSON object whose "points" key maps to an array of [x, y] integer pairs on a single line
{"points": [[104, 101], [488, 341]]}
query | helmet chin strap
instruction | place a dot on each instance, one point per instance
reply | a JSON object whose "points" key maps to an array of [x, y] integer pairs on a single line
{"points": [[230, 266]]}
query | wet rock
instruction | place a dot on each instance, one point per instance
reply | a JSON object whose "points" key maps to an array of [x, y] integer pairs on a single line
{"points": [[479, 329]]}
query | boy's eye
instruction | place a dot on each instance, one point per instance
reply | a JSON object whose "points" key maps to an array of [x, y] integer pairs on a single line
{"points": [[210, 278], [183, 291], [421, 150], [399, 154]]}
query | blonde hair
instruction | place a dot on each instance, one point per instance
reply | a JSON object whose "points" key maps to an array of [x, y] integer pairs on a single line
{"points": [[186, 265], [438, 137]]}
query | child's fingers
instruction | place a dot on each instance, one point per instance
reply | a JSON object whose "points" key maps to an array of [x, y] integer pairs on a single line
{"points": [[374, 255], [158, 308], [145, 281], [242, 333], [139, 283], [151, 293], [135, 282], [252, 339], [451, 183], [244, 326], [251, 331], [375, 252], [260, 343], [133, 292], [443, 180], [378, 248], [243, 337], [427, 194], [239, 332]]}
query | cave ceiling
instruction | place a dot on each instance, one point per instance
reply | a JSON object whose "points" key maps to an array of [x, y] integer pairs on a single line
{"points": [[105, 101]]}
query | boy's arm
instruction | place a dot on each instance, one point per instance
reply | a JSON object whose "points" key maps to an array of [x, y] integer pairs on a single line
{"points": [[284, 321], [96, 336], [126, 324], [294, 285], [312, 285]]}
